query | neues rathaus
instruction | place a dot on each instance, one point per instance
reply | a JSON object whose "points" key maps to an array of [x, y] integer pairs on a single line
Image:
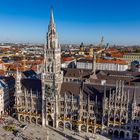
{"points": [[105, 102]]}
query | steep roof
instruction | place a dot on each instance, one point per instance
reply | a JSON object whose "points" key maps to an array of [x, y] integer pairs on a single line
{"points": [[97, 90], [77, 73], [73, 88], [32, 84], [30, 74]]}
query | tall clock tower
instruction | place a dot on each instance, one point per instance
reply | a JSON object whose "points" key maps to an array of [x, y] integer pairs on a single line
{"points": [[52, 74]]}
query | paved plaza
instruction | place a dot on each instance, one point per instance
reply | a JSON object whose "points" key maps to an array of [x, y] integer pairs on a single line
{"points": [[36, 132]]}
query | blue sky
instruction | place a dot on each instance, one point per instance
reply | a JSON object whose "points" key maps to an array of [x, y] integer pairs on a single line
{"points": [[76, 20]]}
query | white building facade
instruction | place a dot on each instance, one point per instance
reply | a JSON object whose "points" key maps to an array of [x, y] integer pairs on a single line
{"points": [[111, 66], [114, 66]]}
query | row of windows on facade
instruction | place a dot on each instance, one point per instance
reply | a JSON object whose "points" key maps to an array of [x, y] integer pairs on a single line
{"points": [[76, 105], [71, 80], [68, 96], [74, 116], [118, 111], [77, 98], [28, 110], [69, 110], [34, 105], [28, 99], [131, 57], [69, 116], [69, 104], [28, 92], [76, 111], [99, 65], [127, 127], [118, 104]]}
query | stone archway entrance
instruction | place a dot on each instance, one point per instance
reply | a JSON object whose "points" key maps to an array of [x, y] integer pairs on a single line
{"points": [[128, 135], [75, 127], [50, 120], [83, 128], [91, 129], [104, 131], [110, 132], [21, 118], [122, 134], [39, 121], [123, 121], [68, 125], [98, 130], [33, 120], [135, 136], [27, 118], [61, 124], [116, 133]]}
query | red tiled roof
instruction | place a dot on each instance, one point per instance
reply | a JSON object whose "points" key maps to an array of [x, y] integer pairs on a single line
{"points": [[2, 72], [117, 54], [68, 58], [112, 50], [117, 61]]}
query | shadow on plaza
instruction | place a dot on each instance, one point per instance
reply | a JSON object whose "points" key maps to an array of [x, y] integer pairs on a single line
{"points": [[63, 134]]}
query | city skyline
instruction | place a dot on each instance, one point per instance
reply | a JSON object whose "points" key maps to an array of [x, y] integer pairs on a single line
{"points": [[76, 22], [81, 93]]}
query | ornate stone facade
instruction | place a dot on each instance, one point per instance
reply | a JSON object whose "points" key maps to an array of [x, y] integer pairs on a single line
{"points": [[108, 104], [52, 76], [28, 99]]}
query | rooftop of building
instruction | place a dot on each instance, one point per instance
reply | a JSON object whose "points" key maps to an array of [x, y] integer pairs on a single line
{"points": [[30, 74], [96, 91], [117, 54], [109, 76], [32, 85], [114, 61], [86, 60], [103, 60], [77, 73], [136, 54]]}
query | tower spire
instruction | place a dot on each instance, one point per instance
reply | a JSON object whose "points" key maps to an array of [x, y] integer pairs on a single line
{"points": [[51, 17], [52, 41]]}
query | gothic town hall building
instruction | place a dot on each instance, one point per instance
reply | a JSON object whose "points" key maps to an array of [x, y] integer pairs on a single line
{"points": [[105, 102]]}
